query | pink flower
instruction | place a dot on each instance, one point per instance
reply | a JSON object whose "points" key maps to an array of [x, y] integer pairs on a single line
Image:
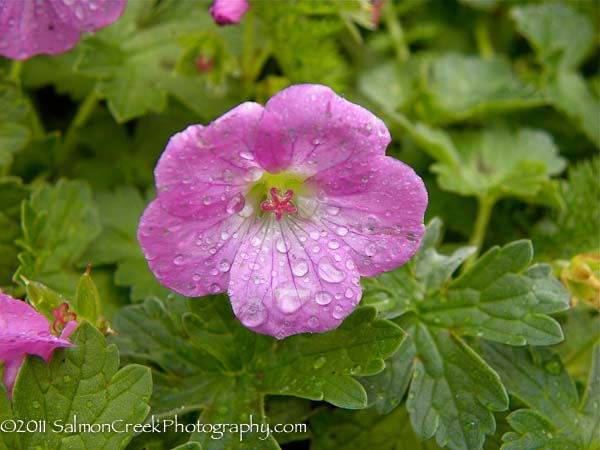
{"points": [[228, 12], [32, 27], [25, 331], [285, 207]]}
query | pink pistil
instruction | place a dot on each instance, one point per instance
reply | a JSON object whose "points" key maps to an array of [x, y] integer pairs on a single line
{"points": [[279, 205], [63, 316]]}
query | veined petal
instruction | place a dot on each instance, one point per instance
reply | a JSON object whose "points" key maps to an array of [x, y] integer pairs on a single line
{"points": [[31, 27], [376, 207], [203, 170], [286, 279], [192, 257], [307, 128], [24, 331]]}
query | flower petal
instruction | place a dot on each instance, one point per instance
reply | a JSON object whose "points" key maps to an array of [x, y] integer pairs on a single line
{"points": [[18, 317], [376, 207], [203, 170], [287, 279], [307, 128], [192, 257], [30, 27], [228, 12]]}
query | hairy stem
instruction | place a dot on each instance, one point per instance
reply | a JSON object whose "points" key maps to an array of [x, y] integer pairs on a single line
{"points": [[86, 108], [396, 32]]}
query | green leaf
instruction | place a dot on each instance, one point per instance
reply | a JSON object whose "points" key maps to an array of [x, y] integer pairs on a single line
{"points": [[208, 361], [460, 86], [561, 36], [87, 299], [570, 94], [12, 193], [14, 132], [7, 440], [365, 430], [58, 224], [492, 162], [120, 212], [134, 59], [501, 297], [83, 381], [557, 417], [573, 229]]}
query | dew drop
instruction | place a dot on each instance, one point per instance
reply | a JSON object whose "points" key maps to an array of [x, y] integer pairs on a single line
{"points": [[370, 250], [224, 235], [333, 245], [314, 235], [323, 298], [245, 154], [224, 266], [313, 322], [178, 260], [254, 313], [342, 231], [207, 200], [348, 293], [350, 264], [333, 210], [299, 267], [282, 246], [214, 288], [329, 272], [236, 204], [319, 362], [338, 312], [253, 174]]}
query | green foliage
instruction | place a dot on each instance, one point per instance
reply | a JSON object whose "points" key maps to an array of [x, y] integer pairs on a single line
{"points": [[500, 298], [209, 362], [58, 223], [488, 101], [557, 416], [83, 381]]}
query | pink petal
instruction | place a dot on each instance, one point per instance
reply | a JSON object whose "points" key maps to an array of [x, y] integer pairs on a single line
{"points": [[24, 331], [204, 169], [287, 278], [228, 12], [192, 257], [191, 232], [376, 207], [31, 27], [307, 128]]}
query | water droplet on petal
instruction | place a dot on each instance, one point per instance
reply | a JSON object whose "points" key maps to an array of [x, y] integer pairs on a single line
{"points": [[282, 246], [236, 204], [254, 313], [224, 235], [329, 272], [313, 322], [338, 312], [299, 268], [224, 266], [214, 288], [333, 210], [253, 174], [333, 245], [342, 231], [350, 264], [245, 154], [178, 260], [323, 298], [348, 293], [370, 250]]}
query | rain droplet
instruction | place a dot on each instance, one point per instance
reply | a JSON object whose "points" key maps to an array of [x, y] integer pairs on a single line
{"points": [[350, 264], [333, 210], [370, 250], [323, 298], [253, 174], [338, 312], [348, 293], [224, 266], [319, 362], [329, 272], [299, 268], [313, 322], [214, 288], [236, 204], [178, 260], [314, 235], [224, 235], [254, 266], [207, 200], [245, 154], [342, 231], [333, 245], [287, 301], [282, 246], [254, 313]]}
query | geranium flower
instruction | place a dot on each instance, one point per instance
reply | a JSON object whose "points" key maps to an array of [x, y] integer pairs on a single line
{"points": [[25, 331], [33, 27], [228, 12], [284, 207]]}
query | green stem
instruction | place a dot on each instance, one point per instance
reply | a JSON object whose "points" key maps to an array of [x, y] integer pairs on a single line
{"points": [[247, 53], [395, 28], [15, 72], [86, 108], [484, 212], [484, 42]]}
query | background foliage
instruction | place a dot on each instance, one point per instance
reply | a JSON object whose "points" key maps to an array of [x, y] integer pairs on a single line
{"points": [[494, 103]]}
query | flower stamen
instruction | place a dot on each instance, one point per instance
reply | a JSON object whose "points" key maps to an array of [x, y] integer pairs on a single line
{"points": [[62, 317], [279, 203]]}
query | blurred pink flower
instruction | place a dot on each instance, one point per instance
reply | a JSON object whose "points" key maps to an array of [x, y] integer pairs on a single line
{"points": [[228, 12], [25, 331], [284, 206], [33, 27]]}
